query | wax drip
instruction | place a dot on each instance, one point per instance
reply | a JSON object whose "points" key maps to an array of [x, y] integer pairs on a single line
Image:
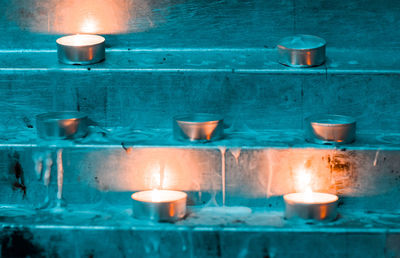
{"points": [[38, 160], [223, 150], [60, 174], [376, 157], [47, 171], [236, 154]]}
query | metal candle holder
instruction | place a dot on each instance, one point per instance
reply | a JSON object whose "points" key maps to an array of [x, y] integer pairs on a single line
{"points": [[62, 125], [82, 49], [302, 51], [330, 129], [198, 127], [323, 210], [170, 207]]}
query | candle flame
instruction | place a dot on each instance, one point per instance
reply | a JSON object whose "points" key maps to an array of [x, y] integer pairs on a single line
{"points": [[89, 25], [303, 181]]}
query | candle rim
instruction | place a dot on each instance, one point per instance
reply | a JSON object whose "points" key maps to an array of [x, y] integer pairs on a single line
{"points": [[335, 120], [134, 196], [198, 118], [315, 42], [100, 39], [61, 115], [287, 198]]}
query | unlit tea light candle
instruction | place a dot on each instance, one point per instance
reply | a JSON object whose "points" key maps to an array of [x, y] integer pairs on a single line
{"points": [[302, 51], [330, 129], [311, 206], [159, 205], [81, 49]]}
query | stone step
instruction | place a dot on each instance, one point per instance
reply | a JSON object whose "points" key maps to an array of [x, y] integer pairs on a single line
{"points": [[251, 169], [206, 232], [144, 88]]}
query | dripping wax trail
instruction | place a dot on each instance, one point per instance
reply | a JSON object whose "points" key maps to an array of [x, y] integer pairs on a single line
{"points": [[236, 154], [43, 163], [223, 151], [60, 174], [376, 157]]}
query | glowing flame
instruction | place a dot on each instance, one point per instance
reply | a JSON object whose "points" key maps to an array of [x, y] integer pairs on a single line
{"points": [[303, 181], [89, 25], [304, 184]]}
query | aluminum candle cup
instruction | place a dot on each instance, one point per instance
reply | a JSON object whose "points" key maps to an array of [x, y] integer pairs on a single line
{"points": [[198, 127], [81, 49], [302, 51], [330, 129], [62, 125], [159, 205], [311, 206]]}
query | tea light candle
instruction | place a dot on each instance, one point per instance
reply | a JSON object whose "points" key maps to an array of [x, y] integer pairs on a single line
{"points": [[301, 51], [330, 129], [159, 205], [311, 206], [81, 49]]}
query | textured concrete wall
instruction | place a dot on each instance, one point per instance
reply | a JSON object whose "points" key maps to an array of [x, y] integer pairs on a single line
{"points": [[144, 90], [179, 23], [367, 179]]}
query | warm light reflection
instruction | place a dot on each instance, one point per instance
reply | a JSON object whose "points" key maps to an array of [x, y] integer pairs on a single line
{"points": [[308, 58], [90, 16], [157, 168], [160, 176], [82, 16]]}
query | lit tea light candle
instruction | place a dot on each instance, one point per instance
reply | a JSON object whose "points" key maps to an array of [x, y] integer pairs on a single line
{"points": [[159, 205], [81, 49], [311, 206]]}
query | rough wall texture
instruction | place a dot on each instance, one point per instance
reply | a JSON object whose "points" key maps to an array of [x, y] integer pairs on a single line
{"points": [[367, 179], [179, 23], [143, 90]]}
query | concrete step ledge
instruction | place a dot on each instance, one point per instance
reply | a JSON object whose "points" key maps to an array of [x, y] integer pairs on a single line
{"points": [[203, 60], [256, 233], [144, 89]]}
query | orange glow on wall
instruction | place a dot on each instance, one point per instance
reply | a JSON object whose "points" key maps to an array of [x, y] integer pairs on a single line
{"points": [[156, 168], [82, 16]]}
